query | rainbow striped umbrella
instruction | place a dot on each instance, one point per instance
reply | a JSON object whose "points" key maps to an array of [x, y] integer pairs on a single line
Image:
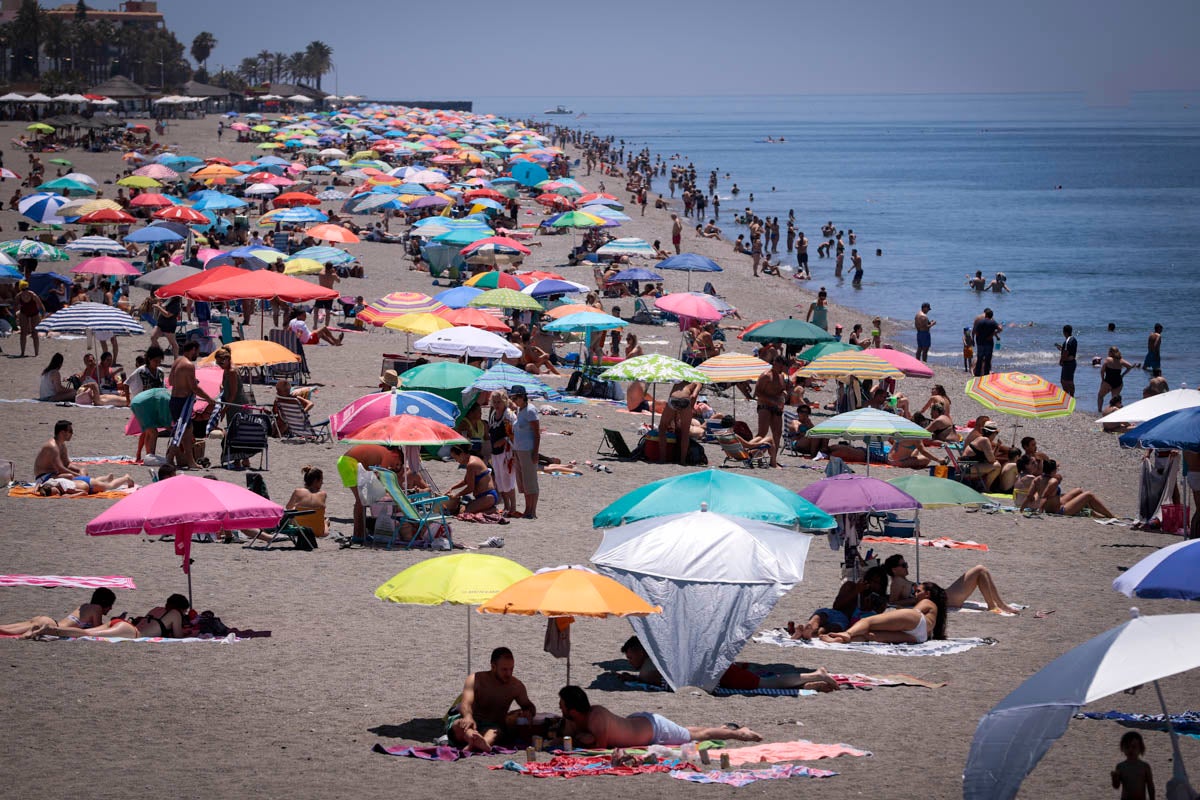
{"points": [[397, 304], [1021, 395], [495, 280], [733, 368], [506, 298], [863, 366]]}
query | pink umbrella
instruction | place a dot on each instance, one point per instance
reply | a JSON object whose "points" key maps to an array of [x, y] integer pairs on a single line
{"points": [[205, 254], [902, 361], [184, 505], [105, 265], [158, 172], [688, 305]]}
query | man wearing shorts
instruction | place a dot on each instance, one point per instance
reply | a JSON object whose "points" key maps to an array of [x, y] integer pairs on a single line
{"points": [[924, 324], [327, 279], [527, 439], [481, 714], [676, 232], [368, 455], [184, 389], [596, 726], [736, 676], [29, 312]]}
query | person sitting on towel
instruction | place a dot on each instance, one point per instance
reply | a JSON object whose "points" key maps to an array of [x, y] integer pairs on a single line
{"points": [[165, 621], [855, 600], [88, 615], [596, 726], [737, 676], [481, 715]]}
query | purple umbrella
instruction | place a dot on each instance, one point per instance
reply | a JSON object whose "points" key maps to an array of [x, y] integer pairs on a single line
{"points": [[429, 201], [859, 494]]}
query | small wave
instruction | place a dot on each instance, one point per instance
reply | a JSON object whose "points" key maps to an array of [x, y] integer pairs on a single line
{"points": [[1025, 357]]}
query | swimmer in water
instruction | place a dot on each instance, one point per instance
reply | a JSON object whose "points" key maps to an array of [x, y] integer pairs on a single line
{"points": [[978, 283], [999, 284]]}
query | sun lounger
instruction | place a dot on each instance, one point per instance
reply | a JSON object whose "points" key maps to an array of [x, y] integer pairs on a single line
{"points": [[248, 435], [735, 451], [294, 422]]}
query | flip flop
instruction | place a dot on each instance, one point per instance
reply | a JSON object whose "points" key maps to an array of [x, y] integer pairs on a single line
{"points": [[1045, 612]]}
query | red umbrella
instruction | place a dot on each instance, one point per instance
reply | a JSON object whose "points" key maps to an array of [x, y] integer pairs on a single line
{"points": [[754, 325], [405, 429], [260, 285], [490, 194], [552, 200], [106, 216], [332, 233], [182, 214], [289, 199], [106, 265], [180, 287], [475, 318], [150, 200]]}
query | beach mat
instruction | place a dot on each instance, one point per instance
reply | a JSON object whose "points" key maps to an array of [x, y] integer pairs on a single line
{"points": [[944, 542], [745, 777], [1186, 722], [229, 638], [858, 680], [573, 766], [74, 581], [933, 647], [778, 752], [31, 492], [976, 607]]}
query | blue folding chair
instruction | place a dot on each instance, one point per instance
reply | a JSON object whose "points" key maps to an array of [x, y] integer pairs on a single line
{"points": [[419, 511]]}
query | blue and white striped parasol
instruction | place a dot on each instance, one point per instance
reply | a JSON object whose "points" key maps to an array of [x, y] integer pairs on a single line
{"points": [[95, 317], [43, 207], [97, 245]]}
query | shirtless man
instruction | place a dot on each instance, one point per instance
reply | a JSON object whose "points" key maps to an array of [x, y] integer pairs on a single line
{"points": [[52, 460], [802, 255], [923, 324], [771, 393], [184, 388], [88, 615], [482, 713], [327, 279], [1153, 358], [676, 232], [736, 677], [534, 359], [977, 283], [596, 726]]}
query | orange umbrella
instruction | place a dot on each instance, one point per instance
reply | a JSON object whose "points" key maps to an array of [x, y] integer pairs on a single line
{"points": [[332, 233], [216, 171], [475, 318], [288, 199], [256, 353], [559, 312]]}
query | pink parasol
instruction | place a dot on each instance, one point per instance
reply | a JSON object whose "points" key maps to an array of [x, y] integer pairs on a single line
{"points": [[902, 361], [105, 265], [683, 304]]}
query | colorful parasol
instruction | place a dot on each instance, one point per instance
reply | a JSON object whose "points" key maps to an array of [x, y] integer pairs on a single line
{"points": [[1021, 395]]}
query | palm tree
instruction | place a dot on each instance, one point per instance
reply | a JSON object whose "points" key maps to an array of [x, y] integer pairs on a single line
{"points": [[27, 38], [264, 65], [320, 60], [248, 70], [202, 47], [297, 67]]}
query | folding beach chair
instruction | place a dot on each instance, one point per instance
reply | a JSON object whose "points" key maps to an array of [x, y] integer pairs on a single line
{"points": [[247, 435], [615, 444], [294, 422], [423, 512], [735, 451], [296, 372], [643, 314], [291, 524]]}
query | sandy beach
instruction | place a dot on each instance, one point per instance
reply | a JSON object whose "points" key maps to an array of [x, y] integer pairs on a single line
{"points": [[297, 713]]}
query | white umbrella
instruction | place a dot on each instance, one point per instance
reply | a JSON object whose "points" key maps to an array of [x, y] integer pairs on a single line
{"points": [[1154, 406], [299, 98], [716, 577], [470, 342], [1013, 736], [262, 189]]}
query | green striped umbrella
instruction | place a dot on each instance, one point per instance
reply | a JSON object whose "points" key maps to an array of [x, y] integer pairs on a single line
{"points": [[506, 298], [31, 248], [654, 368], [867, 424], [824, 349]]}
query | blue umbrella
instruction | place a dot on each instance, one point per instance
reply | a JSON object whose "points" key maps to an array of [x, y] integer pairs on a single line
{"points": [[550, 286], [502, 377], [210, 200], [584, 321], [324, 254], [43, 207], [1172, 573], [690, 262], [528, 174], [635, 274], [462, 236], [154, 235], [300, 214], [8, 273], [458, 297], [1176, 430]]}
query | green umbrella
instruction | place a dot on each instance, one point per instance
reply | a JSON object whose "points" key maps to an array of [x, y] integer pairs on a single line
{"points": [[31, 248], [654, 368], [577, 219], [789, 331], [867, 424], [506, 298], [936, 492], [824, 349], [725, 493], [444, 378], [62, 162], [67, 186]]}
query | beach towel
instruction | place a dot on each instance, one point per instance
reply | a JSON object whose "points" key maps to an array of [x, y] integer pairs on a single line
{"points": [[483, 517], [933, 647], [744, 777], [1186, 722], [942, 542], [437, 752], [867, 682], [29, 491], [229, 638], [777, 752], [104, 459], [75, 581], [64, 403], [976, 607], [564, 766]]}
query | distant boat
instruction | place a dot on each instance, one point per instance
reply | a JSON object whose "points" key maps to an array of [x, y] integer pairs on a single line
{"points": [[558, 110]]}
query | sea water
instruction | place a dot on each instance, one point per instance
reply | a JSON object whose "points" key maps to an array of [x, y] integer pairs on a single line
{"points": [[948, 184]]}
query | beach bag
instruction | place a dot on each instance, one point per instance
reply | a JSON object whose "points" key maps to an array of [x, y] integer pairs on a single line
{"points": [[696, 457], [305, 539], [1172, 518]]}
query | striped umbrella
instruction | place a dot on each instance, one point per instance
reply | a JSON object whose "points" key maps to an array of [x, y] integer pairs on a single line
{"points": [[495, 250], [506, 298], [826, 348], [495, 280], [503, 376], [850, 364], [43, 207], [654, 368], [96, 245], [325, 254], [31, 248], [1021, 395], [397, 304], [97, 317], [733, 368]]}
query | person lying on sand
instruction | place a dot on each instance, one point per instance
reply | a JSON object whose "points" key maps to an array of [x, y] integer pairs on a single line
{"points": [[738, 676], [924, 621], [481, 714], [165, 621], [596, 726], [88, 615], [904, 591], [83, 484], [855, 599]]}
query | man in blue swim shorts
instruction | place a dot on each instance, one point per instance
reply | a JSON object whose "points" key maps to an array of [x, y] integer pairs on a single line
{"points": [[596, 726]]}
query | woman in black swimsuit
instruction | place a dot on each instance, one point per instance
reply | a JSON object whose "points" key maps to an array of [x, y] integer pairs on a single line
{"points": [[1112, 376], [677, 419], [165, 621]]}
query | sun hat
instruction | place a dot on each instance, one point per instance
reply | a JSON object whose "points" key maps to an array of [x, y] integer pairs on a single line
{"points": [[990, 427], [517, 390], [390, 378]]}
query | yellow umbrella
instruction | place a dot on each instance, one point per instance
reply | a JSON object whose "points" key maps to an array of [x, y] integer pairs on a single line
{"points": [[139, 182], [850, 363], [81, 208], [257, 353], [733, 368], [303, 266], [421, 324], [463, 579]]}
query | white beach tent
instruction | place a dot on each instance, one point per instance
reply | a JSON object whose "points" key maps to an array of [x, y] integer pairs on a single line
{"points": [[464, 341], [716, 578], [12, 97]]}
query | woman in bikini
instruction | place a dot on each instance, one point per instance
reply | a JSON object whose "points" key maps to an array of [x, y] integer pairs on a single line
{"points": [[310, 497], [904, 591], [476, 489], [83, 484], [937, 395], [166, 621], [1047, 496], [924, 621], [88, 615], [677, 418]]}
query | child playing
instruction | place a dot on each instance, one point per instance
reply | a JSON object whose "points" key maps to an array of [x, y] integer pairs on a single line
{"points": [[877, 332], [1132, 776], [968, 351]]}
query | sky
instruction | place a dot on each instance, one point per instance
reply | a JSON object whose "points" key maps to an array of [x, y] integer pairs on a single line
{"points": [[393, 50]]}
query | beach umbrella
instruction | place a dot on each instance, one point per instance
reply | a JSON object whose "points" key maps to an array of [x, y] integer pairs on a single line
{"points": [[463, 236], [716, 577], [564, 593], [31, 248], [96, 245], [8, 272], [154, 234], [934, 492], [465, 579], [106, 216], [295, 199], [325, 254], [185, 505], [689, 263], [105, 265], [789, 331], [505, 298], [910, 366], [256, 353], [558, 312], [139, 182], [210, 200], [152, 200], [857, 494], [67, 186], [262, 190], [529, 174], [468, 342], [458, 297], [495, 280], [260, 285], [1012, 738], [722, 492], [653, 368], [1154, 406], [496, 251], [475, 318], [179, 287], [1020, 395], [629, 246], [158, 278], [585, 322], [421, 323], [1175, 430], [378, 405], [548, 287], [733, 368], [443, 378], [159, 172], [827, 348], [397, 304], [405, 429], [574, 219], [1171, 573], [688, 305], [635, 274], [850, 364], [184, 214], [868, 424], [332, 233], [503, 377], [91, 317], [290, 216], [302, 266], [43, 207]]}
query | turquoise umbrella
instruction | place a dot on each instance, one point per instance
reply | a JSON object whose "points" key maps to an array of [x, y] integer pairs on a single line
{"points": [[824, 349], [789, 331], [725, 493]]}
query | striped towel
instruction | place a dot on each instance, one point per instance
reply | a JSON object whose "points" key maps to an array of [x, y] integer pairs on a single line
{"points": [[721, 691], [74, 581]]}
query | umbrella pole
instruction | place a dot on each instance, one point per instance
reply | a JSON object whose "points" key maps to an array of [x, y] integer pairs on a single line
{"points": [[917, 534], [468, 638], [1180, 770]]}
